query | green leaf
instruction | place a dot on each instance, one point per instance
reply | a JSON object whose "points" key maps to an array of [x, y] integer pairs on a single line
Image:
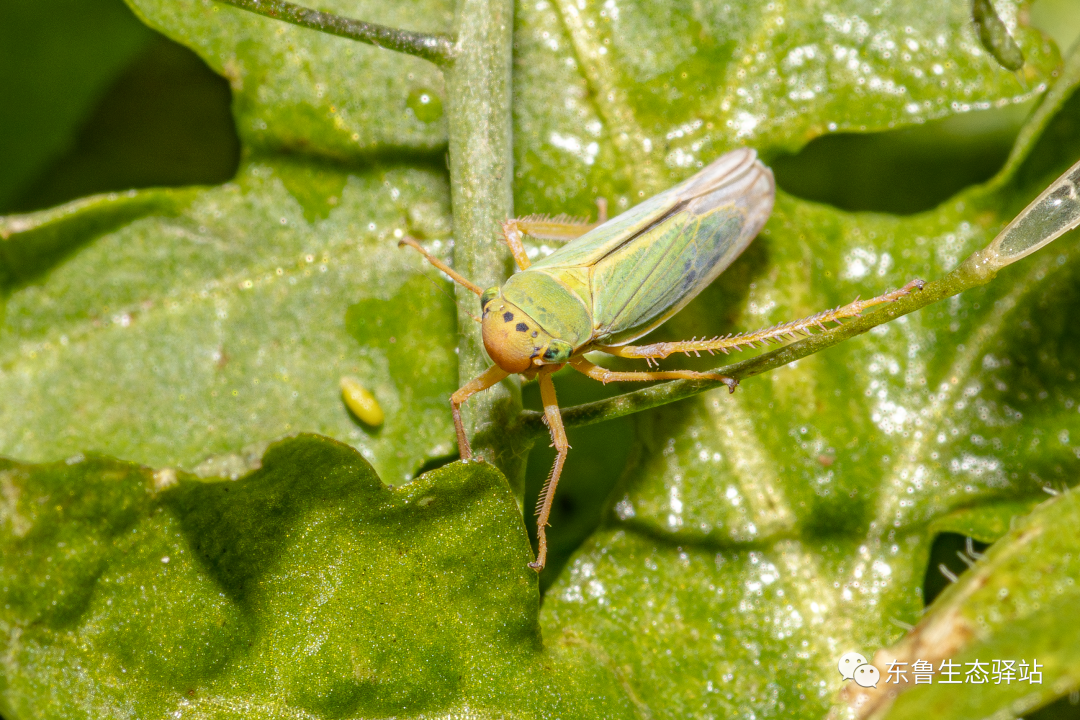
{"points": [[750, 540], [306, 587], [236, 329]]}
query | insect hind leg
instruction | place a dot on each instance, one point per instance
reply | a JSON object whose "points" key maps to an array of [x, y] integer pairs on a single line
{"points": [[775, 334], [605, 376]]}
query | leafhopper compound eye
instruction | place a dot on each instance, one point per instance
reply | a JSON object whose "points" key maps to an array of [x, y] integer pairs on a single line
{"points": [[557, 351], [490, 294]]}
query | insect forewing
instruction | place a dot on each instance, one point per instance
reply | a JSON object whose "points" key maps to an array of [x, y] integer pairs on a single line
{"points": [[647, 263], [599, 242]]}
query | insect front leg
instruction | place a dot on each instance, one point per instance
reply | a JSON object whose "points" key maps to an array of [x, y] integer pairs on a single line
{"points": [[777, 333], [480, 383], [545, 227], [605, 376], [558, 439]]}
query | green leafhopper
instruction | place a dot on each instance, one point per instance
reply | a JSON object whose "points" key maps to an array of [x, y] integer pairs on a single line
{"points": [[617, 280]]}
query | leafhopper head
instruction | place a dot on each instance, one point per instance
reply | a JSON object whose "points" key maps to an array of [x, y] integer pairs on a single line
{"points": [[514, 340]]}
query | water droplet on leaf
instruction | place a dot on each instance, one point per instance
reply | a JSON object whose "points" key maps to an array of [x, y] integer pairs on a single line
{"points": [[426, 105]]}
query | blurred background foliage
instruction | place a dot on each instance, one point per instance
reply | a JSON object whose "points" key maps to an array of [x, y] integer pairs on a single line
{"points": [[95, 101]]}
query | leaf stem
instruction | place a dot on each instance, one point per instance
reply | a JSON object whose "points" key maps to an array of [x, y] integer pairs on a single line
{"points": [[481, 171], [438, 49], [971, 273]]}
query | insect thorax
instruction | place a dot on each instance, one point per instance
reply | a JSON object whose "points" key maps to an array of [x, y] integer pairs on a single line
{"points": [[534, 318]]}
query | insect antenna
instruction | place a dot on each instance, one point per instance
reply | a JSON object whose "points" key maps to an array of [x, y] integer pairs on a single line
{"points": [[454, 275], [453, 299], [411, 242]]}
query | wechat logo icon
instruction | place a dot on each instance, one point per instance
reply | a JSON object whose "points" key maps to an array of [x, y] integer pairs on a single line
{"points": [[853, 666]]}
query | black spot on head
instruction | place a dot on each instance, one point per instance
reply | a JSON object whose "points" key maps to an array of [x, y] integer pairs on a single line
{"points": [[508, 316], [521, 327]]}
